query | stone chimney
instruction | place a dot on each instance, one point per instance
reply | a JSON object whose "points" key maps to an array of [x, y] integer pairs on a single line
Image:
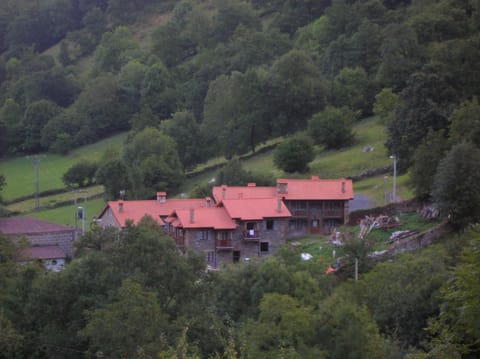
{"points": [[282, 187], [279, 205], [224, 191], [162, 197], [344, 189], [208, 202], [120, 206], [192, 215]]}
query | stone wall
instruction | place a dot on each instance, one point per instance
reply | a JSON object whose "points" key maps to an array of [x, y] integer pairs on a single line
{"points": [[417, 241], [64, 240], [108, 219]]}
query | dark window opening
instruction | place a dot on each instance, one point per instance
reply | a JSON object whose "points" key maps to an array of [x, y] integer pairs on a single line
{"points": [[236, 256], [270, 224], [264, 246]]}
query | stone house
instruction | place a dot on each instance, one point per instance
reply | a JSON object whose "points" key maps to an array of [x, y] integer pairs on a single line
{"points": [[317, 205], [208, 230], [50, 243], [232, 230], [244, 221]]}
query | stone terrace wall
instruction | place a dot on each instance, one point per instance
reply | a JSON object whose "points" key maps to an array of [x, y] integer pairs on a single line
{"points": [[417, 241]]}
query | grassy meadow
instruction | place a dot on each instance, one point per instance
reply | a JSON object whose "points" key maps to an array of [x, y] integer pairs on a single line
{"points": [[66, 215], [351, 161], [20, 176]]}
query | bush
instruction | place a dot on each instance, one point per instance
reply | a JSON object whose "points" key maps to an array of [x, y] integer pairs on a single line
{"points": [[294, 154], [80, 175]]}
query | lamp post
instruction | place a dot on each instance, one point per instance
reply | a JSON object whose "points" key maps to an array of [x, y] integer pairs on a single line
{"points": [[385, 197], [394, 194]]}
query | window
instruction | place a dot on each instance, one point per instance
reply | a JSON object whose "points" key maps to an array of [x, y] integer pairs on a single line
{"points": [[236, 256], [210, 257], [297, 224], [264, 246], [203, 235], [270, 224], [225, 236]]}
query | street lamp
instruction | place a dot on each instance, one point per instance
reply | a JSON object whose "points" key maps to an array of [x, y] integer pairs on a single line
{"points": [[394, 194], [385, 197]]}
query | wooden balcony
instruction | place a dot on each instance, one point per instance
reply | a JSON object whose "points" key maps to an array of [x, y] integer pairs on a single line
{"points": [[251, 235], [224, 244], [179, 241], [299, 212], [333, 213]]}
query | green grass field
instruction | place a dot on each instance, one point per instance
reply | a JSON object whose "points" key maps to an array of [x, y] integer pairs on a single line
{"points": [[66, 215], [350, 161], [20, 176]]}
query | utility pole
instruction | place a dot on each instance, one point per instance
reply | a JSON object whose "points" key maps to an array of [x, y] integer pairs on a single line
{"points": [[36, 166]]}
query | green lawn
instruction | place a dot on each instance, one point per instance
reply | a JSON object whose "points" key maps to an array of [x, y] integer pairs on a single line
{"points": [[54, 200], [20, 176], [66, 215], [352, 160]]}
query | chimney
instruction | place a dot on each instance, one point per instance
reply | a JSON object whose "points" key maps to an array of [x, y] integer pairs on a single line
{"points": [[162, 197], [252, 184], [120, 206], [315, 178], [279, 205], [282, 187], [192, 215], [208, 202], [343, 187], [224, 192]]}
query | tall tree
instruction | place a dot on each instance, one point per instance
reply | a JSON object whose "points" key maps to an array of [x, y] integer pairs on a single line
{"points": [[184, 129], [152, 163], [425, 104], [296, 90], [131, 325], [294, 154], [332, 127], [455, 190], [465, 122]]}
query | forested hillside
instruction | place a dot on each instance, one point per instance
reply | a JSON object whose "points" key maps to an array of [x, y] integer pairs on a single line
{"points": [[223, 76], [193, 79]]}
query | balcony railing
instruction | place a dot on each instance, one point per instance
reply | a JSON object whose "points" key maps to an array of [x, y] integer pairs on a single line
{"points": [[333, 212], [179, 241], [224, 244], [299, 212], [251, 235]]}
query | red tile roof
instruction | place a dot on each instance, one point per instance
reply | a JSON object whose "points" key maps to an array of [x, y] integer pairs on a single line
{"points": [[42, 252], [212, 217], [236, 192], [26, 225], [316, 189], [255, 208], [136, 210]]}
